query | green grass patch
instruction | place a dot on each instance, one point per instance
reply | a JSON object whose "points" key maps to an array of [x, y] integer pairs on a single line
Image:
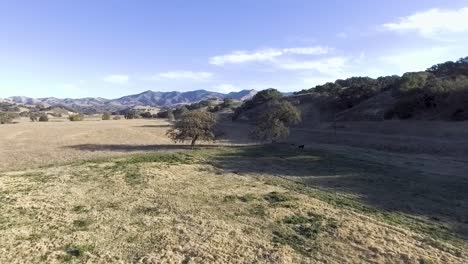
{"points": [[276, 198], [81, 224], [133, 176], [339, 200], [149, 210], [76, 251], [243, 198], [79, 209], [301, 232]]}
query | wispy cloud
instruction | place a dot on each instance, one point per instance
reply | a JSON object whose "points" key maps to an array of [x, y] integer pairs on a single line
{"points": [[117, 78], [265, 54], [432, 23], [186, 75], [331, 65]]}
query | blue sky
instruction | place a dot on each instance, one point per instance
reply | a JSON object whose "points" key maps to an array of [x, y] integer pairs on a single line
{"points": [[114, 48]]}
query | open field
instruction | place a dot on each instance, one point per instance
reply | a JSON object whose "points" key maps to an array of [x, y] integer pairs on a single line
{"points": [[29, 144], [97, 192], [209, 206]]}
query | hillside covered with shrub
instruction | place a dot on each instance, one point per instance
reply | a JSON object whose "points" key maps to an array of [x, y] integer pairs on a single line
{"points": [[439, 93]]}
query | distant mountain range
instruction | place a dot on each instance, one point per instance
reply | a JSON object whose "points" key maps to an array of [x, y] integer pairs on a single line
{"points": [[148, 98]]}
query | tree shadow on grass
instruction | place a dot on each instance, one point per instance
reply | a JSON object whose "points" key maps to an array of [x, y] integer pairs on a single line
{"points": [[139, 148], [155, 126], [441, 199]]}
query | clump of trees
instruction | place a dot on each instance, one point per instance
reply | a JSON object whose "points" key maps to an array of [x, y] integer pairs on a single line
{"points": [[193, 126], [204, 103], [180, 111], [439, 92], [258, 99], [106, 116], [76, 117], [275, 120], [422, 93], [132, 114]]}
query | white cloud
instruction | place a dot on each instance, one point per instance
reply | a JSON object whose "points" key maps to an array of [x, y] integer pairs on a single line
{"points": [[433, 23], [317, 50], [187, 75], [117, 78], [265, 54], [329, 66], [225, 88]]}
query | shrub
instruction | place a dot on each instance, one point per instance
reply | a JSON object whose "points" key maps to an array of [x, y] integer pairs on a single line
{"points": [[106, 116], [33, 117], [77, 117], [7, 118], [131, 114], [162, 114], [146, 115], [43, 118], [117, 117], [413, 81]]}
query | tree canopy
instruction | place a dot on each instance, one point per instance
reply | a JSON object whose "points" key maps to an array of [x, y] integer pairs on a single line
{"points": [[193, 126], [275, 120]]}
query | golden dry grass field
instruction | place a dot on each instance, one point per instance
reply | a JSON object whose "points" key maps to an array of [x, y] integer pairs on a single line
{"points": [[121, 192], [28, 144]]}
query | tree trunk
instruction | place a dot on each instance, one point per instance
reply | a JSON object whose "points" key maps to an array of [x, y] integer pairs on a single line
{"points": [[193, 141]]}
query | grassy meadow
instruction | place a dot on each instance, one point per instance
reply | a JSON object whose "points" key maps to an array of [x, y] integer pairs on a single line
{"points": [[239, 204]]}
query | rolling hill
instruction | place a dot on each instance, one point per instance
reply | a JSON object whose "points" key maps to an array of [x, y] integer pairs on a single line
{"points": [[147, 98]]}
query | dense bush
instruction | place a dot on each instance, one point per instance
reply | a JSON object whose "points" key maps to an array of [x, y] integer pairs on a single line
{"points": [[43, 118], [7, 118], [162, 114], [33, 116], [77, 117], [106, 116], [146, 115]]}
